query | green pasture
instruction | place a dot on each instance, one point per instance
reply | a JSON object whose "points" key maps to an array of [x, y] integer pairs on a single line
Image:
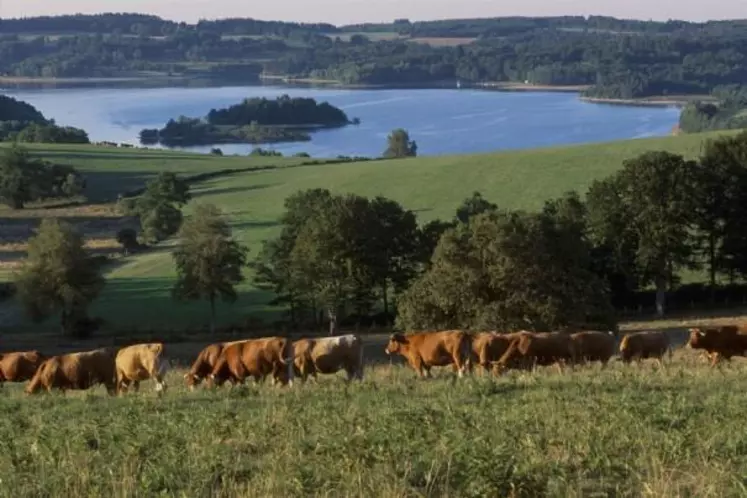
{"points": [[138, 290], [624, 431]]}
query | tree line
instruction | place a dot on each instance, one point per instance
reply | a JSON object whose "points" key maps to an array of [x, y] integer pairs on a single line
{"points": [[346, 259], [617, 58]]}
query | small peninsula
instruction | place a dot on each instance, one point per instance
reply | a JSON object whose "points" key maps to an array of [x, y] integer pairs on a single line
{"points": [[253, 121]]}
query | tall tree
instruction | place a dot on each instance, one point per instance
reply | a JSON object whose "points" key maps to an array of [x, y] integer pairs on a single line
{"points": [[209, 262], [721, 205], [58, 275], [649, 205], [472, 206], [399, 145]]}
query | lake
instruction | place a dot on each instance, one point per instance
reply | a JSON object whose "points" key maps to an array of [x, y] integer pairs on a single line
{"points": [[442, 121]]}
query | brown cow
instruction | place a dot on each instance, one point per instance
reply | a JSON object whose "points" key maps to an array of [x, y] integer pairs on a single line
{"points": [[328, 355], [642, 345], [594, 346], [76, 371], [254, 358], [432, 349], [19, 367], [205, 362], [138, 363], [531, 349], [488, 348], [720, 342]]}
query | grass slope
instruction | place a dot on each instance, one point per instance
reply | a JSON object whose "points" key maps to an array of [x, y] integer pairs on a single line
{"points": [[137, 294], [623, 431]]}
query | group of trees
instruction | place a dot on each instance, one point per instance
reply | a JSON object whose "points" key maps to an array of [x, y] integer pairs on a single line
{"points": [[338, 254], [158, 208], [24, 179], [282, 111], [256, 120], [571, 264]]}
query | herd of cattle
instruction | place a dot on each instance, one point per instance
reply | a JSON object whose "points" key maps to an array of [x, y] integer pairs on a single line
{"points": [[283, 359]]}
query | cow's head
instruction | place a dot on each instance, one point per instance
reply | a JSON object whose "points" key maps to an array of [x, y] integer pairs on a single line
{"points": [[396, 341], [698, 338], [191, 380]]}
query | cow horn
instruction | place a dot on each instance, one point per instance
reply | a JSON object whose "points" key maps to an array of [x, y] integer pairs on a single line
{"points": [[701, 333]]}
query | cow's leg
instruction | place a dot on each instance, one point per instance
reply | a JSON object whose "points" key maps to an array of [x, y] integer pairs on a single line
{"points": [[136, 386]]}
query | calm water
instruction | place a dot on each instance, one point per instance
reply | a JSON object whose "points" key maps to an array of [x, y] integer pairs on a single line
{"points": [[441, 121]]}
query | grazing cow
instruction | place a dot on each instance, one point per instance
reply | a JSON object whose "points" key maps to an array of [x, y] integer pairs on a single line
{"points": [[138, 363], [254, 358], [720, 342], [328, 355], [642, 345], [531, 349], [204, 364], [432, 349], [76, 371], [594, 346], [19, 367], [488, 347]]}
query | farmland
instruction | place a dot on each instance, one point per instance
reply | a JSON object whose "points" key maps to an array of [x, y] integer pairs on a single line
{"points": [[137, 294], [624, 431]]}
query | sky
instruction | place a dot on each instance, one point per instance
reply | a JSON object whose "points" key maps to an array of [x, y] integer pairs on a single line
{"points": [[357, 11]]}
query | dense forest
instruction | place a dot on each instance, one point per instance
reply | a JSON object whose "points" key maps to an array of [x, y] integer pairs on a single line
{"points": [[255, 120], [618, 58]]}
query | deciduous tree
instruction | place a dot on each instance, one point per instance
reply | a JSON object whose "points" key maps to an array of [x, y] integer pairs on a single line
{"points": [[58, 275], [209, 261]]}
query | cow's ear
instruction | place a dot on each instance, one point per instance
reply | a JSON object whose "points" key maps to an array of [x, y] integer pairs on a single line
{"points": [[399, 338]]}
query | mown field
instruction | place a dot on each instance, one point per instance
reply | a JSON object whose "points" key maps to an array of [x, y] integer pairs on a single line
{"points": [[137, 294], [625, 431]]}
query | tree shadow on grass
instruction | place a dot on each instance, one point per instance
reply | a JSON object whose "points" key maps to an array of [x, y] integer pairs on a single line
{"points": [[207, 190]]}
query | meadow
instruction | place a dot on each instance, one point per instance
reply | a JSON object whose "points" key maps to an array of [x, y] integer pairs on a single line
{"points": [[623, 431], [137, 294]]}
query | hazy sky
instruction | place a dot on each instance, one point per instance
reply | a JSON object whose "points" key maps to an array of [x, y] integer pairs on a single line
{"points": [[354, 11]]}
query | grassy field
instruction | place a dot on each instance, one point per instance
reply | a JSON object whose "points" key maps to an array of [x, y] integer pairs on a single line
{"points": [[137, 294], [625, 431]]}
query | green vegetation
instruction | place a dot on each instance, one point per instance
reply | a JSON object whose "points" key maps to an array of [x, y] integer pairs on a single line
{"points": [[59, 275], [24, 179], [256, 120], [728, 111], [630, 59], [138, 290], [399, 145], [622, 432], [209, 262]]}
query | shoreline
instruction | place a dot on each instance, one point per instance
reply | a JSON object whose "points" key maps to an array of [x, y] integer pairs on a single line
{"points": [[662, 101], [165, 80]]}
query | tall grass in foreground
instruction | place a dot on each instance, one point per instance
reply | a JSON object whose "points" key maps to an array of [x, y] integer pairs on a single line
{"points": [[624, 431]]}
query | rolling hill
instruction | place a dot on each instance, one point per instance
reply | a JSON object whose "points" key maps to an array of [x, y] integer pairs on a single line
{"points": [[138, 290]]}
